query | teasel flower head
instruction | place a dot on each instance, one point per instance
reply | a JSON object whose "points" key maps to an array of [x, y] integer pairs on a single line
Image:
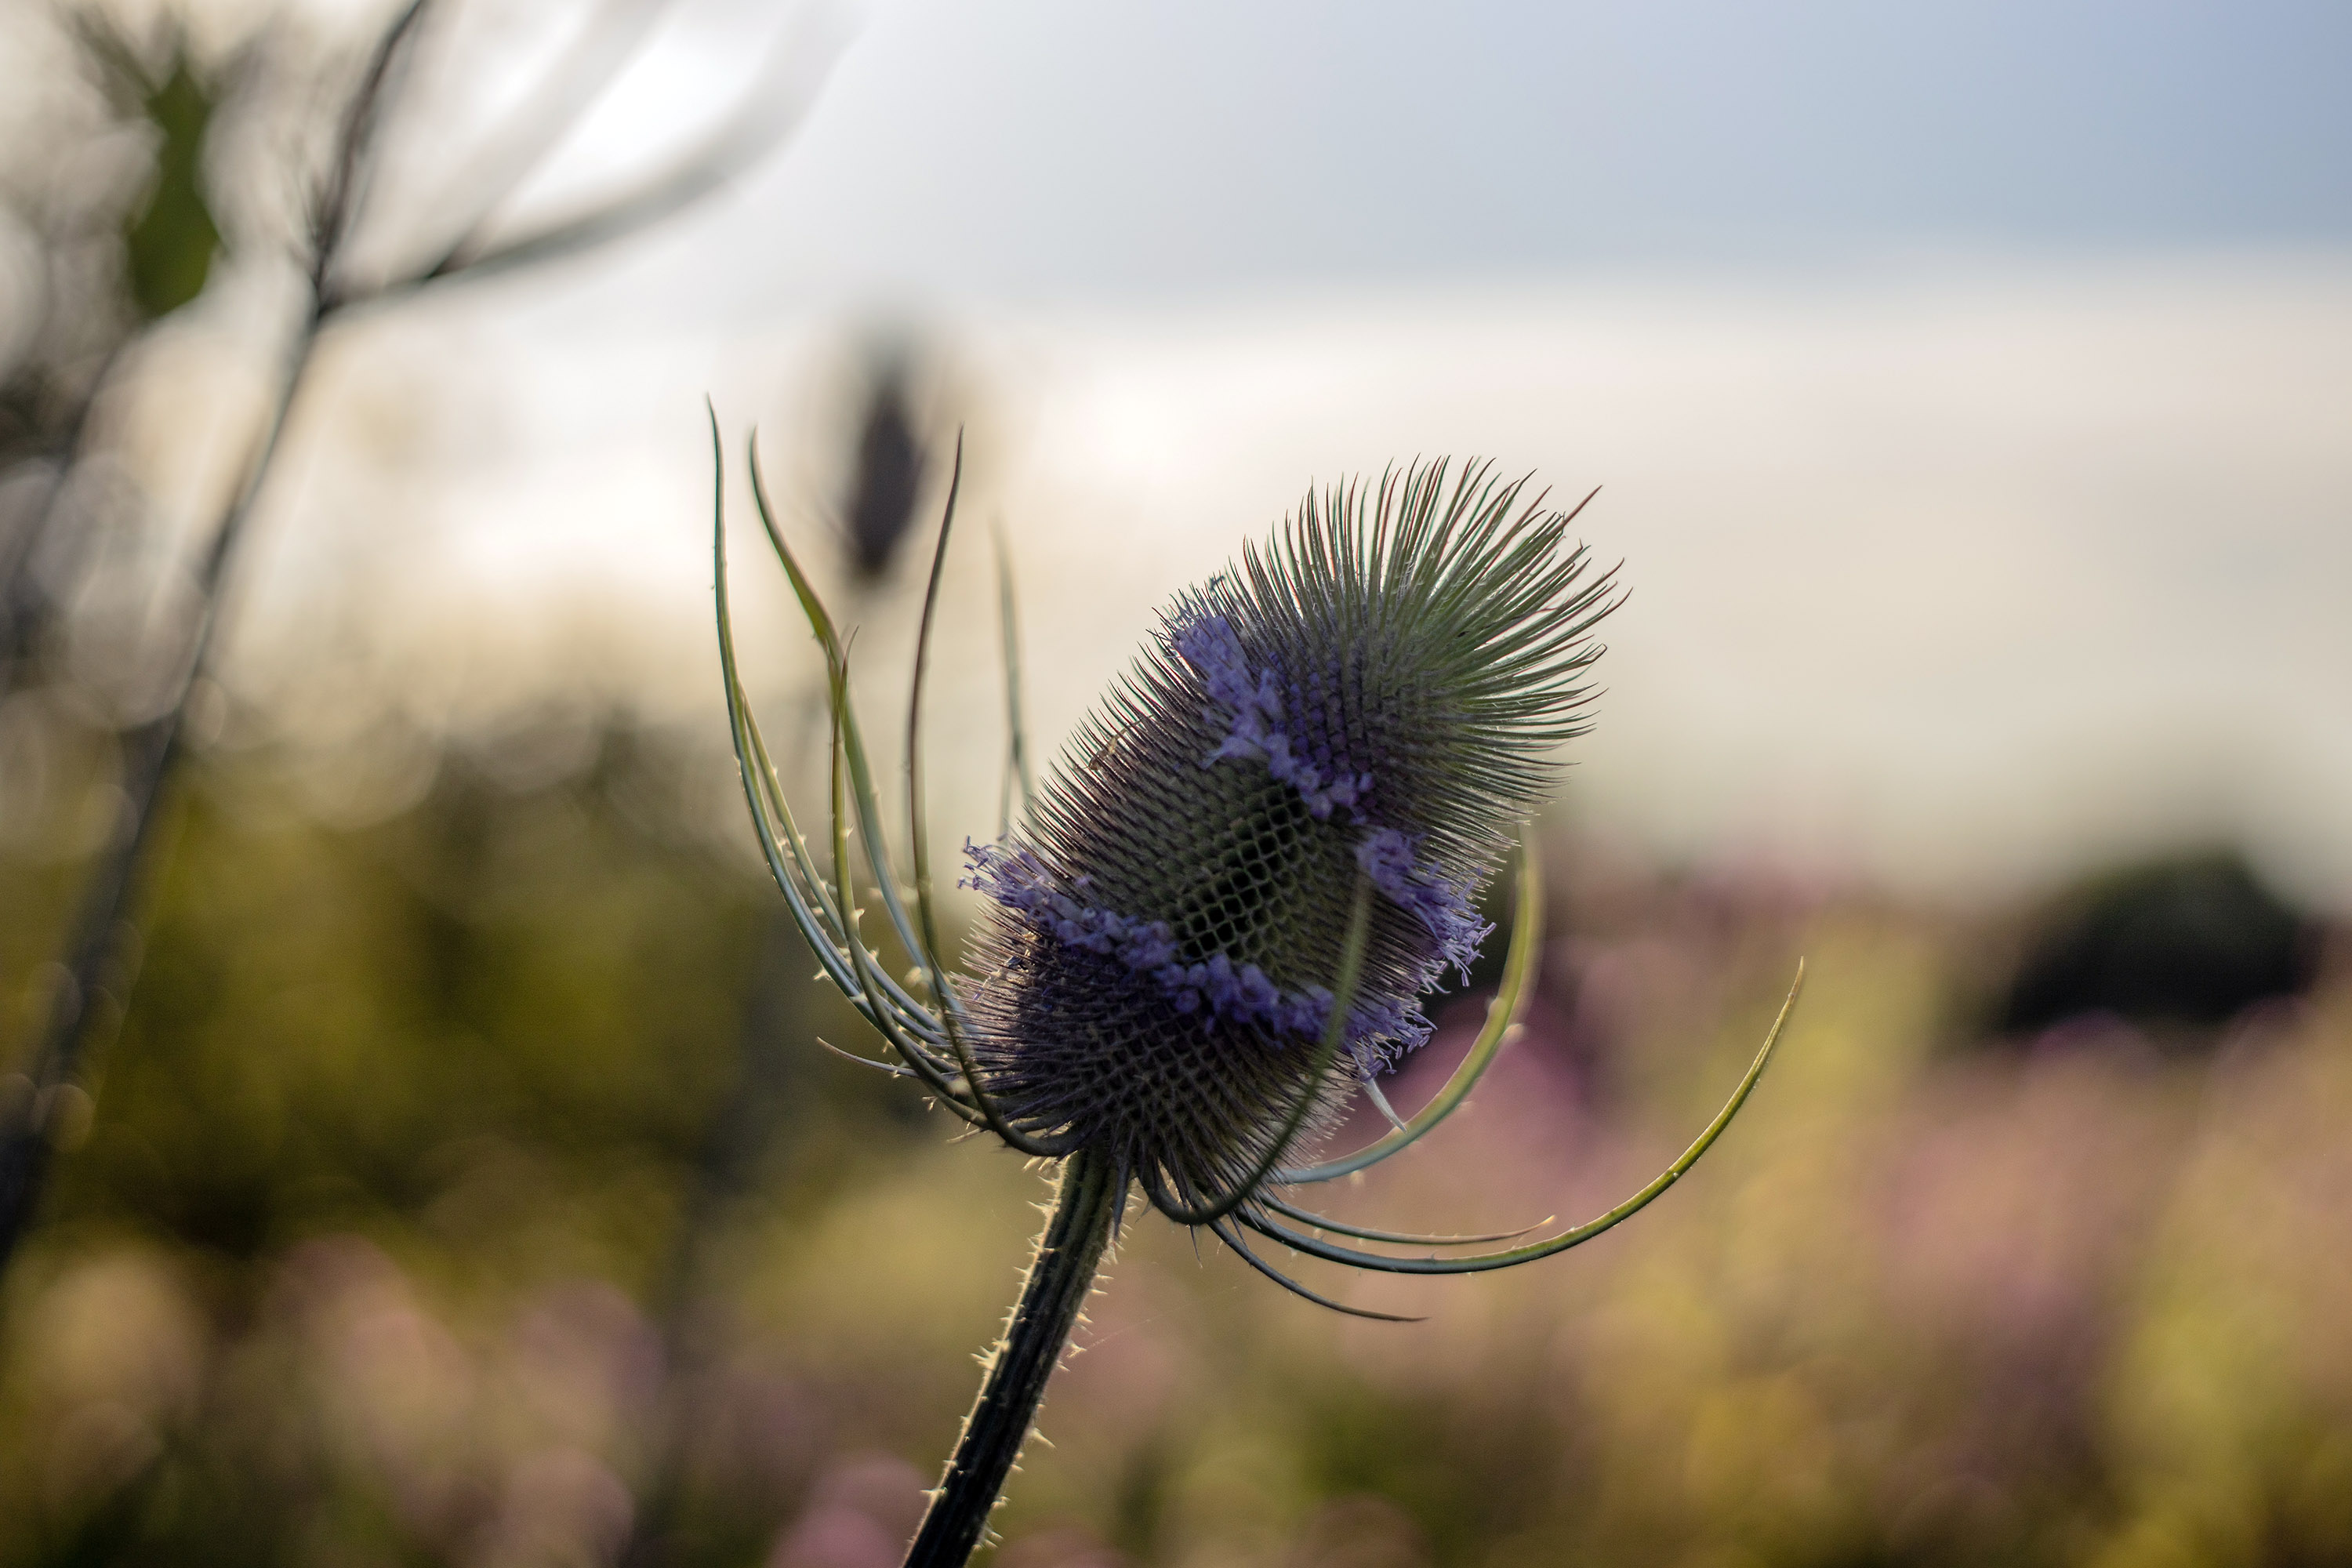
{"points": [[1367, 702], [1218, 918]]}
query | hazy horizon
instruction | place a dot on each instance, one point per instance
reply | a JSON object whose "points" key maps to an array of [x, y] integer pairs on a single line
{"points": [[1956, 578]]}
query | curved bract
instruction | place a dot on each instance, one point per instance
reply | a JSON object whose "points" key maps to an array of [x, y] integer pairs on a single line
{"points": [[1263, 1222]]}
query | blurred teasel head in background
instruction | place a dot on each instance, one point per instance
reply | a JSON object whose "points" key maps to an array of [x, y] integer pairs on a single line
{"points": [[890, 460]]}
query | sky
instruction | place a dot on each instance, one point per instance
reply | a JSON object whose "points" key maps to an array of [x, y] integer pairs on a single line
{"points": [[1967, 384], [1047, 150]]}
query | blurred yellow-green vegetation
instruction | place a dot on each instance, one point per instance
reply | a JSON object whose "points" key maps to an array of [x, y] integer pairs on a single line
{"points": [[466, 1186]]}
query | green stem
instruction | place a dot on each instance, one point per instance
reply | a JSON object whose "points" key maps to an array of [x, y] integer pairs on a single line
{"points": [[1059, 1279]]}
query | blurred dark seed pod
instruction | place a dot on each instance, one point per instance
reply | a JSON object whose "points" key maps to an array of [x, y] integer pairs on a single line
{"points": [[891, 462]]}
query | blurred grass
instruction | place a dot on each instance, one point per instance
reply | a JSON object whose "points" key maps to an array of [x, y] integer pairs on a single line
{"points": [[377, 1248]]}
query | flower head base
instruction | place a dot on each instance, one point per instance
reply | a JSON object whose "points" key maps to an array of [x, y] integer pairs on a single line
{"points": [[1370, 698]]}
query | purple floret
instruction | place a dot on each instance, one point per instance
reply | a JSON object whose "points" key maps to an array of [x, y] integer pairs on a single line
{"points": [[1210, 646], [1254, 699], [1401, 1024], [1388, 857]]}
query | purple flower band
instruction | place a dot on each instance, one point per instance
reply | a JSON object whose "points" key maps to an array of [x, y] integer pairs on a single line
{"points": [[1215, 986]]}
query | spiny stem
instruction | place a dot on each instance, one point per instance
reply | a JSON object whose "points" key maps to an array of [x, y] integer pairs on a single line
{"points": [[1059, 1278]]}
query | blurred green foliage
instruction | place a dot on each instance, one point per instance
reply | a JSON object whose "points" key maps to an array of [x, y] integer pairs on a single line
{"points": [[465, 1186], [322, 1012], [489, 1034]]}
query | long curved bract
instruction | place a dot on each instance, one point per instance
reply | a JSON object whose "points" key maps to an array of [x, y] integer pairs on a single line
{"points": [[1393, 1237], [1583, 1233], [814, 908], [925, 1066], [820, 917], [1232, 1237], [912, 1014], [1502, 1021], [868, 811]]}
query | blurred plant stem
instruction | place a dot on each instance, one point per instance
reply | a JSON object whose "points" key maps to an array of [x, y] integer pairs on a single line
{"points": [[101, 935], [1060, 1279], [98, 964]]}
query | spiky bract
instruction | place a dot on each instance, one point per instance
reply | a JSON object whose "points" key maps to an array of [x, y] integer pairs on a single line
{"points": [[1371, 696]]}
